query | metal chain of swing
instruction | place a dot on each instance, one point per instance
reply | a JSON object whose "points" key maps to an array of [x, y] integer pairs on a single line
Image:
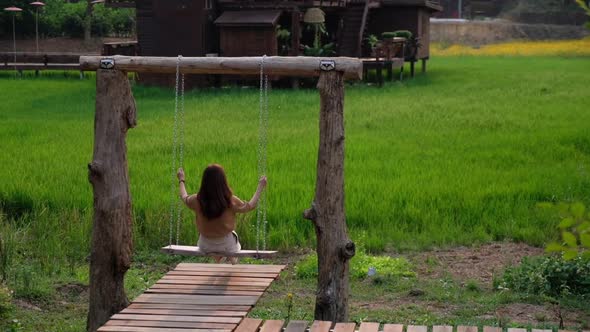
{"points": [[261, 220], [177, 151], [178, 154]]}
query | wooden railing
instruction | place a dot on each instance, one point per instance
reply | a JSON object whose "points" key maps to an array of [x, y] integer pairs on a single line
{"points": [[39, 61]]}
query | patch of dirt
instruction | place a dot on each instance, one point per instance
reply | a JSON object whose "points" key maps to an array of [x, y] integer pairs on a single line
{"points": [[439, 309], [26, 305], [72, 290], [472, 263], [524, 313]]}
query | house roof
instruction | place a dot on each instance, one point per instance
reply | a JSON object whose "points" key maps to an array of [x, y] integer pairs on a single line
{"points": [[249, 18], [433, 5]]}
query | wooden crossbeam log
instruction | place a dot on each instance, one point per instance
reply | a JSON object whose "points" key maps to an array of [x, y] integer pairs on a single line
{"points": [[274, 65]]}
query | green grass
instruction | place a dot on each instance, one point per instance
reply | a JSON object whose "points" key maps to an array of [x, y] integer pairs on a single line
{"points": [[458, 156]]}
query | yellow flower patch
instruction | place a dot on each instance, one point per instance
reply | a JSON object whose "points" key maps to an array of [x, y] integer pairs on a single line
{"points": [[577, 47]]}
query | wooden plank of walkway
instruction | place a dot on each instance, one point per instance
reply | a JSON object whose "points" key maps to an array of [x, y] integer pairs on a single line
{"points": [[320, 326], [170, 318], [166, 324], [463, 328], [223, 274], [183, 312], [272, 326], [198, 297], [230, 267], [249, 325], [212, 287], [442, 328], [154, 329], [189, 299], [187, 306], [393, 328], [492, 329], [369, 327], [212, 281], [296, 326], [344, 327], [418, 328]]}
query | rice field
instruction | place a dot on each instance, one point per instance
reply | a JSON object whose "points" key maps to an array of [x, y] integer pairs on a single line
{"points": [[576, 47], [461, 155]]}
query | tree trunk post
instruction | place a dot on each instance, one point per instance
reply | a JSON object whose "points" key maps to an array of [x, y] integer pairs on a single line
{"points": [[334, 247], [111, 251]]}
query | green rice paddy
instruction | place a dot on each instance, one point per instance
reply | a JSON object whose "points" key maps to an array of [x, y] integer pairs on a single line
{"points": [[461, 155]]}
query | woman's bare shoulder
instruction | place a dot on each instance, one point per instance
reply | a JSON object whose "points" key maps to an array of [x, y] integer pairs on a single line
{"points": [[237, 205]]}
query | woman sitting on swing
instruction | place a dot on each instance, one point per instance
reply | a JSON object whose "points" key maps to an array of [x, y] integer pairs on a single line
{"points": [[216, 207]]}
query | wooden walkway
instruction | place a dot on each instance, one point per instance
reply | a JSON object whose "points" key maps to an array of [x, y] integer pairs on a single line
{"points": [[255, 325], [196, 297]]}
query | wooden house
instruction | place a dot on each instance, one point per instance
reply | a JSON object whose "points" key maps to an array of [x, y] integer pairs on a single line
{"points": [[250, 28]]}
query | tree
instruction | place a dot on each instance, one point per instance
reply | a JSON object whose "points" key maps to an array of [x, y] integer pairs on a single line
{"points": [[585, 5]]}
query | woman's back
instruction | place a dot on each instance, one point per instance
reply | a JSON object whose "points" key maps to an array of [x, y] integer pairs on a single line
{"points": [[219, 226]]}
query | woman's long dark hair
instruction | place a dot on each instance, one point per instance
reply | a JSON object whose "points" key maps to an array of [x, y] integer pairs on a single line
{"points": [[214, 194]]}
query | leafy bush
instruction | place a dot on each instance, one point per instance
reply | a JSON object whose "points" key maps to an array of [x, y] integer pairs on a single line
{"points": [[359, 266], [324, 50], [403, 33], [575, 230], [550, 275], [387, 35]]}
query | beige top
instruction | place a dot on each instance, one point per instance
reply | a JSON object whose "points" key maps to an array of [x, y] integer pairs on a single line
{"points": [[222, 225]]}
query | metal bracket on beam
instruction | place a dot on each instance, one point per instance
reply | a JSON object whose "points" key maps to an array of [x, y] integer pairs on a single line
{"points": [[327, 65], [107, 63]]}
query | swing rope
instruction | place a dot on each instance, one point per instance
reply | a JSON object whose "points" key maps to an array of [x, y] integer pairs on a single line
{"points": [[261, 220], [177, 151], [178, 155]]}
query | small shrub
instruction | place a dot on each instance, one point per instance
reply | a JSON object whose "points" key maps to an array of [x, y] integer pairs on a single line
{"points": [[359, 266], [472, 286], [551, 275]]}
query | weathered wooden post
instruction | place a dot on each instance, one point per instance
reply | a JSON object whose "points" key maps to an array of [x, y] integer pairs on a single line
{"points": [[110, 256], [334, 247]]}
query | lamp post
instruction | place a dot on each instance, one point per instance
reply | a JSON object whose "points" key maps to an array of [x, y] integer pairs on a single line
{"points": [[37, 5], [13, 10]]}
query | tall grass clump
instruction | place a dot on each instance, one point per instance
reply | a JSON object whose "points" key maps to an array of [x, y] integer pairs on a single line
{"points": [[7, 248], [5, 302]]}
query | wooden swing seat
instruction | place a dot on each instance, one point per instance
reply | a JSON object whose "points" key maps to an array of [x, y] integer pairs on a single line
{"points": [[195, 251]]}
